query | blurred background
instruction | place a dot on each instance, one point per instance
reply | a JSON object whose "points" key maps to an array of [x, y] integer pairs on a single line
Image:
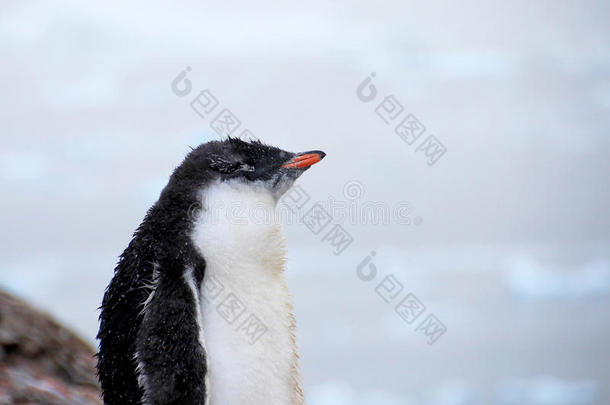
{"points": [[498, 225]]}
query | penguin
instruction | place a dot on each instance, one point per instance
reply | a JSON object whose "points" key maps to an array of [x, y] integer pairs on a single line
{"points": [[198, 311]]}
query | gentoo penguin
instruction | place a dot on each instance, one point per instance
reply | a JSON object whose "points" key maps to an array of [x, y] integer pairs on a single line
{"points": [[198, 311]]}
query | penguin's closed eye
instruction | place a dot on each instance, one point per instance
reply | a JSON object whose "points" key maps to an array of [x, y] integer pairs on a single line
{"points": [[224, 166], [158, 319]]}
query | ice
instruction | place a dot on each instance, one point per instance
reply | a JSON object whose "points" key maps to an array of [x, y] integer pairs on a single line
{"points": [[547, 391], [528, 278]]}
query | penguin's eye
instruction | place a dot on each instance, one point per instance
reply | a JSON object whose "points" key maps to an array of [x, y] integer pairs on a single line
{"points": [[244, 167], [224, 166]]}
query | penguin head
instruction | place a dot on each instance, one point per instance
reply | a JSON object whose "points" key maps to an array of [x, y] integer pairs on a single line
{"points": [[252, 163]]}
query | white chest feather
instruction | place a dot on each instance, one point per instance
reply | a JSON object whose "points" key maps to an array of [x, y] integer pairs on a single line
{"points": [[247, 320]]}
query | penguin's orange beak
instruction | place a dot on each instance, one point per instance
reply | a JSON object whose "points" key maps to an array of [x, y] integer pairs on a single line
{"points": [[305, 159]]}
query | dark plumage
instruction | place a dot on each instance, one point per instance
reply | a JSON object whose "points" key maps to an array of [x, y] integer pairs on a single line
{"points": [[162, 340]]}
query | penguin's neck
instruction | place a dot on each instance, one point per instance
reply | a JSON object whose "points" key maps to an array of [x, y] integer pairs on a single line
{"points": [[247, 317]]}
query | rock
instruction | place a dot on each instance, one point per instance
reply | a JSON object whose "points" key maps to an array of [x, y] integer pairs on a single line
{"points": [[42, 362]]}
